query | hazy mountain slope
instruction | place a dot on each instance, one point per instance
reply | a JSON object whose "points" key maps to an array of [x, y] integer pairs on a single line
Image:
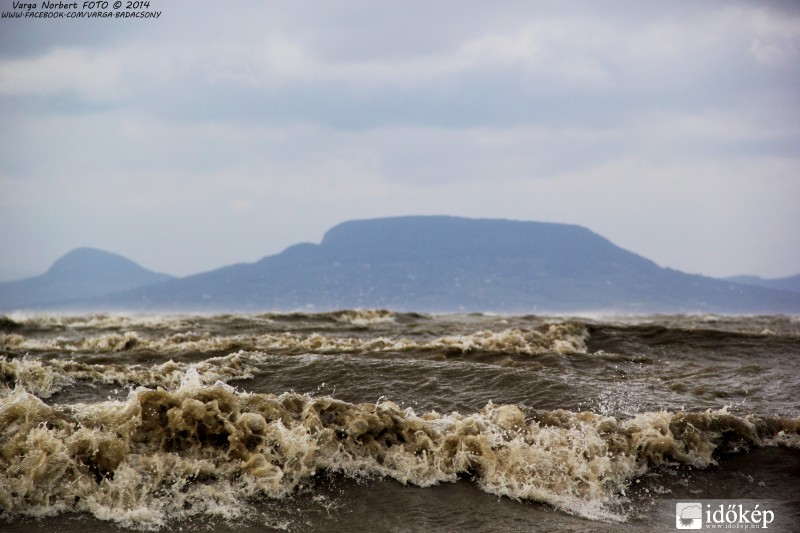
{"points": [[82, 273], [455, 264], [792, 283]]}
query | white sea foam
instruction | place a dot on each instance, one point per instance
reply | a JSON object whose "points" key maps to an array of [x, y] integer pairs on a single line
{"points": [[47, 378], [198, 449], [563, 338]]}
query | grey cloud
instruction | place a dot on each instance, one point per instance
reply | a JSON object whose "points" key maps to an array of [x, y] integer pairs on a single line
{"points": [[297, 115]]}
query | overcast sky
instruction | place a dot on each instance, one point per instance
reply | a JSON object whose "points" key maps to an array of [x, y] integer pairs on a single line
{"points": [[222, 131]]}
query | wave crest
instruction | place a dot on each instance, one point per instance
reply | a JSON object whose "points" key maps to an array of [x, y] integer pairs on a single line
{"points": [[563, 338], [204, 449]]}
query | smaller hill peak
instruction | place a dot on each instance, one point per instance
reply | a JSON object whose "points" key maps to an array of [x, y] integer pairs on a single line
{"points": [[79, 274], [86, 261]]}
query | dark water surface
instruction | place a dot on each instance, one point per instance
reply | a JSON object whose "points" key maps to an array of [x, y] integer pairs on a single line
{"points": [[382, 421]]}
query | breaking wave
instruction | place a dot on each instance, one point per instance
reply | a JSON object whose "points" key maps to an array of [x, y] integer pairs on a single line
{"points": [[164, 455], [564, 338], [46, 378]]}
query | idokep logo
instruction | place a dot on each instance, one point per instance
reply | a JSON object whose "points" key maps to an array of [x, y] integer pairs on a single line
{"points": [[689, 515], [726, 514]]}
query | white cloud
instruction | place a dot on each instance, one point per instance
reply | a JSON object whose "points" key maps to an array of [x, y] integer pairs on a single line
{"points": [[92, 74], [777, 39]]}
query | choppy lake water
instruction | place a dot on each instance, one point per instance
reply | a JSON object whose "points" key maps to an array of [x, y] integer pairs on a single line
{"points": [[381, 421]]}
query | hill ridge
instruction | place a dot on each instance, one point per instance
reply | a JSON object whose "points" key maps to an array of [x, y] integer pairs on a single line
{"points": [[447, 264], [81, 273]]}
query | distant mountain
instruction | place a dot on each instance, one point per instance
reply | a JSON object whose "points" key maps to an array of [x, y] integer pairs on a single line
{"points": [[448, 264], [82, 273], [791, 283]]}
